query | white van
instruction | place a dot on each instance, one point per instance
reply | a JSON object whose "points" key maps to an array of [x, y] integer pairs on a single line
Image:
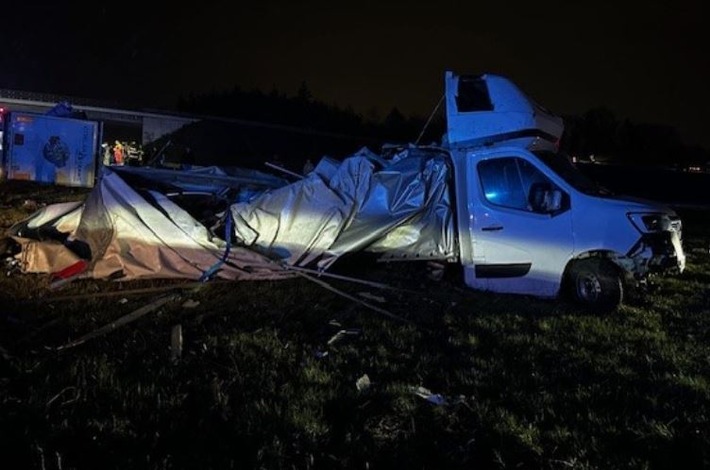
{"points": [[528, 221]]}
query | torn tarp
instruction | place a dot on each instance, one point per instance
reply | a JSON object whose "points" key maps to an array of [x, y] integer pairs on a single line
{"points": [[401, 209], [128, 230], [146, 222]]}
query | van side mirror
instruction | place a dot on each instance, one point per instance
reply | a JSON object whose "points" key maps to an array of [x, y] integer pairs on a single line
{"points": [[544, 198], [554, 197]]}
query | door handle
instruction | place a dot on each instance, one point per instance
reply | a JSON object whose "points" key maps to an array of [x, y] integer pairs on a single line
{"points": [[492, 228]]}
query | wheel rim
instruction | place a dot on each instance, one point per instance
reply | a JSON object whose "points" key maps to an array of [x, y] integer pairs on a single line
{"points": [[588, 287]]}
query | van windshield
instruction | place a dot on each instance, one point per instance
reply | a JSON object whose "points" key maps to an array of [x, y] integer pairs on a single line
{"points": [[562, 165]]}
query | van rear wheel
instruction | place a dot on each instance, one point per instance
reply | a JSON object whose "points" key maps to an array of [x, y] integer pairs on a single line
{"points": [[595, 283]]}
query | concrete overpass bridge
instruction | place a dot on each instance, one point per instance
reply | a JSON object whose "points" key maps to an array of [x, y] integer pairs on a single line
{"points": [[214, 140], [118, 123]]}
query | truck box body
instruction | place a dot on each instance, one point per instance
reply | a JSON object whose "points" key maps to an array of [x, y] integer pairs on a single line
{"points": [[51, 149]]}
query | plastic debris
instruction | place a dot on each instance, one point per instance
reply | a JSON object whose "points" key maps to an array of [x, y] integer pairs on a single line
{"points": [[363, 383], [124, 320], [435, 398], [176, 343], [189, 303], [343, 333]]}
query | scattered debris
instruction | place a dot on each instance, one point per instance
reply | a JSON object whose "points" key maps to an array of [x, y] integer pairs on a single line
{"points": [[282, 169], [426, 394], [436, 398], [377, 285], [343, 333], [321, 354], [176, 343], [124, 320], [368, 296], [190, 303], [77, 394], [355, 299], [363, 383]]}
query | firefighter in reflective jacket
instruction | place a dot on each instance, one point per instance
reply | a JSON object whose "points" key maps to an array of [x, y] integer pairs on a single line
{"points": [[118, 153]]}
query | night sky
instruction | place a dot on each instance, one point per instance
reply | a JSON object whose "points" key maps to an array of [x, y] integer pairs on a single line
{"points": [[646, 61]]}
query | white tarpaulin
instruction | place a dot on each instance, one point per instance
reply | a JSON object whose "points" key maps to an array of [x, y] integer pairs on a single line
{"points": [[155, 223], [402, 210], [128, 233]]}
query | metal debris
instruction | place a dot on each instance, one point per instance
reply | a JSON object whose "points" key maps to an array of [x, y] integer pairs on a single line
{"points": [[176, 343], [368, 296], [124, 320]]}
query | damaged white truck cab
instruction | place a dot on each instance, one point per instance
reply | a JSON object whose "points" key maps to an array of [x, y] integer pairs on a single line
{"points": [[528, 221]]}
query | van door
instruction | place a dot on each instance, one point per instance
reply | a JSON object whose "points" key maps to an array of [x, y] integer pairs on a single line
{"points": [[522, 226]]}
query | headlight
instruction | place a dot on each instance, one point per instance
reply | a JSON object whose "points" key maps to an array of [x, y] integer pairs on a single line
{"points": [[650, 222]]}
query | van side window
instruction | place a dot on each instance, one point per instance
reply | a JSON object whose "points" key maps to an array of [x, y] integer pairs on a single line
{"points": [[515, 183]]}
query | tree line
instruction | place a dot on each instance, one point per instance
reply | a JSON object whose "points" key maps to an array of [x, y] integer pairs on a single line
{"points": [[597, 132], [600, 133]]}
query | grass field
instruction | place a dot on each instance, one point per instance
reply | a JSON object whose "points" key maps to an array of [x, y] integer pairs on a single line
{"points": [[460, 379]]}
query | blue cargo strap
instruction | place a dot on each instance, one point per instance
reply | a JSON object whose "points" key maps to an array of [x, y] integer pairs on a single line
{"points": [[228, 238]]}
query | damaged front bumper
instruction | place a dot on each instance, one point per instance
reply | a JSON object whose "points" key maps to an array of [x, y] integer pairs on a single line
{"points": [[659, 252]]}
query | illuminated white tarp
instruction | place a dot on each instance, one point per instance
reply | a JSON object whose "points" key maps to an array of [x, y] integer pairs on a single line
{"points": [[399, 207], [156, 223], [128, 233]]}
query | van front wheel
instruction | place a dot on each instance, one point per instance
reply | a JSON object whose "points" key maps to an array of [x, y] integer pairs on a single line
{"points": [[595, 283]]}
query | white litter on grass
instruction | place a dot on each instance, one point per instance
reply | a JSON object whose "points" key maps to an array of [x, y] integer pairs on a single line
{"points": [[190, 303], [343, 333], [363, 383]]}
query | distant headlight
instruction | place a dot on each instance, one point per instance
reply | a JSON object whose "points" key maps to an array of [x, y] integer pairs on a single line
{"points": [[650, 222]]}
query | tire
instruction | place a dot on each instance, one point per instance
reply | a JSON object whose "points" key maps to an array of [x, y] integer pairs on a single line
{"points": [[595, 283]]}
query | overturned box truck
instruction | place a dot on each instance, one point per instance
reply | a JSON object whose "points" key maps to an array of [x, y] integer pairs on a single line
{"points": [[494, 197]]}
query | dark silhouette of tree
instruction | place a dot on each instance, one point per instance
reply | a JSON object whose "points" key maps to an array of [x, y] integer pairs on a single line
{"points": [[304, 93], [304, 111], [395, 125], [598, 132], [599, 125]]}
